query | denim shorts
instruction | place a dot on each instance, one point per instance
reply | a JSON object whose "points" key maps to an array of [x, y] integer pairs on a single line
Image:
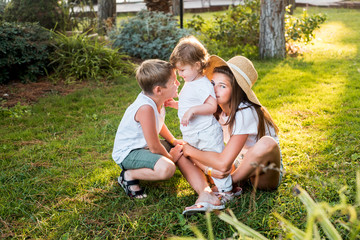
{"points": [[142, 158]]}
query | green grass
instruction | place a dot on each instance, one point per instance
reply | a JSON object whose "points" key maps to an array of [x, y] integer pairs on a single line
{"points": [[58, 180]]}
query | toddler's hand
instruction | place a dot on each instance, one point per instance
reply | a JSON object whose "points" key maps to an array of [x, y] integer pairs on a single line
{"points": [[176, 152], [187, 117]]}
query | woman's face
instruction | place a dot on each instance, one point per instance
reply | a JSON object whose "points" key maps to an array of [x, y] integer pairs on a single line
{"points": [[222, 87]]}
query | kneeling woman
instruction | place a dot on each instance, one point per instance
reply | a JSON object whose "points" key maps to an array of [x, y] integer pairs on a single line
{"points": [[249, 131]]}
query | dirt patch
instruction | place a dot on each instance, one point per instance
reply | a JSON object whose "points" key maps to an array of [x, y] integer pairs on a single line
{"points": [[28, 93]]}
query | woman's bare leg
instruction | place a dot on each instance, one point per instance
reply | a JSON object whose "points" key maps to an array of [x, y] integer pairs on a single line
{"points": [[197, 180], [265, 152]]}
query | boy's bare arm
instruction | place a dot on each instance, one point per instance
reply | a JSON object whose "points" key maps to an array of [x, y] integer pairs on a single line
{"points": [[207, 108], [146, 117]]}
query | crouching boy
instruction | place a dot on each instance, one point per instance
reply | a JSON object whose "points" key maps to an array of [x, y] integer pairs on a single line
{"points": [[137, 147]]}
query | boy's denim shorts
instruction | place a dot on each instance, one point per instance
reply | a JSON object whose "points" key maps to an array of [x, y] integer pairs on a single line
{"points": [[142, 158]]}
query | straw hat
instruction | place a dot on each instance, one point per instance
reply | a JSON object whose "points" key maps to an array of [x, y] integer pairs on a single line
{"points": [[243, 70]]}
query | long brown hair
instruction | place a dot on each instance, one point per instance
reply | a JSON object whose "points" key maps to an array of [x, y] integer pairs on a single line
{"points": [[238, 96]]}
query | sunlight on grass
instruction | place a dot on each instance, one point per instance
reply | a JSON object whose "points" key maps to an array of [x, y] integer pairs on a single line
{"points": [[330, 42]]}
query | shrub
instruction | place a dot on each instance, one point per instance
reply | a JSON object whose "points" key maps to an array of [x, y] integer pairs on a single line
{"points": [[236, 32], [301, 30], [2, 8], [46, 12], [148, 35], [83, 19], [79, 57], [24, 51]]}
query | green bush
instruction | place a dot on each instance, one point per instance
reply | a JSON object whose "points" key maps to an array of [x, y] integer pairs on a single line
{"points": [[236, 32], [302, 29], [46, 12], [2, 8], [79, 57], [148, 35], [24, 51]]}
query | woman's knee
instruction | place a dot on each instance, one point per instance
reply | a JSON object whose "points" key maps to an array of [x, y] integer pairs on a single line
{"points": [[267, 146]]}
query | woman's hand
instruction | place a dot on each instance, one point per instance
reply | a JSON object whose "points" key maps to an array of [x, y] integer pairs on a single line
{"points": [[218, 174], [186, 149], [176, 152], [171, 103]]}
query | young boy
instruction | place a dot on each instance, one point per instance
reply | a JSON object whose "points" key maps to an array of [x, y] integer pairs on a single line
{"points": [[137, 147]]}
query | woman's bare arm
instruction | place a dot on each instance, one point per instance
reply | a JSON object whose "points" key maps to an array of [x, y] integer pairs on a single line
{"points": [[220, 161]]}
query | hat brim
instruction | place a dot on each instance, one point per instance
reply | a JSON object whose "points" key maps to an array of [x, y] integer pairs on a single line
{"points": [[216, 61]]}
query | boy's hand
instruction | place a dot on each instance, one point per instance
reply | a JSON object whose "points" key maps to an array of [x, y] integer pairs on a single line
{"points": [[176, 152], [179, 141], [187, 116], [171, 103]]}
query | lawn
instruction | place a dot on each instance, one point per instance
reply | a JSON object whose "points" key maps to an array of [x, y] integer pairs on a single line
{"points": [[58, 180]]}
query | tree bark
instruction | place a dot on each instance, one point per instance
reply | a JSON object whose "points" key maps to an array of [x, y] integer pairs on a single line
{"points": [[106, 15], [272, 30]]}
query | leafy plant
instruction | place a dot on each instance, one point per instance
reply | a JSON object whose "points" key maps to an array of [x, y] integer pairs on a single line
{"points": [[79, 57], [3, 4], [46, 12], [83, 19], [17, 111], [24, 51], [148, 35], [236, 32], [302, 29]]}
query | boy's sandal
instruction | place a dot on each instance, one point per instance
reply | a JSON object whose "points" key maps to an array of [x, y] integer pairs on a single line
{"points": [[127, 184]]}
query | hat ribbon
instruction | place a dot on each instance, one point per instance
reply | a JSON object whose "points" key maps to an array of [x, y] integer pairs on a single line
{"points": [[241, 73]]}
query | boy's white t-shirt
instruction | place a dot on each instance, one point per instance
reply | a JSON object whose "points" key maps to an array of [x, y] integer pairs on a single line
{"points": [[129, 135], [246, 122], [195, 93]]}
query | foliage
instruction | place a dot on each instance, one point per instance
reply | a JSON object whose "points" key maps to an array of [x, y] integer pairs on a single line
{"points": [[84, 19], [148, 35], [24, 51], [3, 4], [17, 111], [302, 29], [46, 12], [79, 57], [236, 32]]}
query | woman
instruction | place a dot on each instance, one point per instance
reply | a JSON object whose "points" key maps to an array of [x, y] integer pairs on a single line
{"points": [[250, 134]]}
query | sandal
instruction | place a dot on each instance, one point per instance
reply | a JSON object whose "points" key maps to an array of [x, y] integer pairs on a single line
{"points": [[127, 184]]}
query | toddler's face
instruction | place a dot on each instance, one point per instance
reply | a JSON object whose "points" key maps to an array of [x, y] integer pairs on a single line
{"points": [[187, 72]]}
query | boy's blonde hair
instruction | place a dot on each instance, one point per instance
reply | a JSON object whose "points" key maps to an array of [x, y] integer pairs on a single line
{"points": [[189, 50], [152, 73]]}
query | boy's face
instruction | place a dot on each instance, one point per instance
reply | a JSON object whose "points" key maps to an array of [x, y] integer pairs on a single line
{"points": [[171, 90]]}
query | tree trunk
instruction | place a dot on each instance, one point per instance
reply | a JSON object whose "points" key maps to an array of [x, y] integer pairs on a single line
{"points": [[293, 5], [106, 14], [176, 7], [272, 31]]}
